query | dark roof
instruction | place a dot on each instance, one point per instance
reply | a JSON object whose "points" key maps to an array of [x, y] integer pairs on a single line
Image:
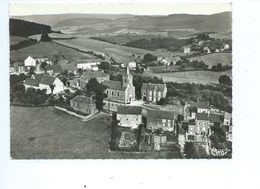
{"points": [[47, 80], [151, 86], [18, 64], [55, 67], [83, 99], [192, 109], [115, 85], [192, 122], [133, 110], [202, 116], [216, 118], [31, 82], [204, 105], [93, 74], [37, 77], [160, 114]]}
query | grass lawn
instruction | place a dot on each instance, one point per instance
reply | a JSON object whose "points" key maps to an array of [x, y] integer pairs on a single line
{"points": [[47, 133], [202, 77], [215, 58], [48, 49], [120, 53]]}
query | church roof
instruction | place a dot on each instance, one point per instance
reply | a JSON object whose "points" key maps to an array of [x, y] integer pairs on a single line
{"points": [[114, 85]]}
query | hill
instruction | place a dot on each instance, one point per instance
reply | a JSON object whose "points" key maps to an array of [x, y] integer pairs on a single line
{"points": [[101, 23], [25, 28]]}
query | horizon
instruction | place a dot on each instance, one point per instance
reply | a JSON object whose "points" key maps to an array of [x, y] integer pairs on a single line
{"points": [[117, 9]]}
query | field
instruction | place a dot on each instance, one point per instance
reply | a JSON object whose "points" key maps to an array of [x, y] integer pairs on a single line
{"points": [[46, 133], [49, 49], [17, 39], [202, 77], [215, 58], [121, 54]]}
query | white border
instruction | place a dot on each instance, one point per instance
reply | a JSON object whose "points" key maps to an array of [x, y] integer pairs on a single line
{"points": [[240, 172]]}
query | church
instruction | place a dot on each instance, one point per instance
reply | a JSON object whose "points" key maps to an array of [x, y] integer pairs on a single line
{"points": [[119, 93]]}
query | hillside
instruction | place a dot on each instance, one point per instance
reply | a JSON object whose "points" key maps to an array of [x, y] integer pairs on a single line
{"points": [[98, 23], [25, 28]]}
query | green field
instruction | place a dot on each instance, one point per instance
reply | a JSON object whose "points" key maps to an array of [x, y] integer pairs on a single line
{"points": [[202, 77], [47, 133], [120, 53], [49, 49], [17, 39], [215, 58]]}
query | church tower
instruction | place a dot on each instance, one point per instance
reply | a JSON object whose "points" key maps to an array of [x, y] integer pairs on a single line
{"points": [[127, 78]]}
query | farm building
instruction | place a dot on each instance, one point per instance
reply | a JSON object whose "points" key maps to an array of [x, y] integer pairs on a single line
{"points": [[41, 81], [161, 119], [86, 76], [172, 60], [153, 92], [187, 49], [90, 64], [129, 116], [84, 104]]}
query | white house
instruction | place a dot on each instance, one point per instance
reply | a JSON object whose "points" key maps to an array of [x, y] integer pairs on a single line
{"points": [[88, 64], [203, 107], [29, 61], [186, 49], [42, 81], [132, 65], [129, 116]]}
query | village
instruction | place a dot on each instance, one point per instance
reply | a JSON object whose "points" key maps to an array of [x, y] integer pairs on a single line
{"points": [[141, 118]]}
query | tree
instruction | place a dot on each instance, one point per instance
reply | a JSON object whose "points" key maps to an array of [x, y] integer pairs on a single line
{"points": [[43, 65], [104, 66], [225, 80], [162, 101], [80, 71], [45, 37], [189, 150], [93, 86], [149, 58]]}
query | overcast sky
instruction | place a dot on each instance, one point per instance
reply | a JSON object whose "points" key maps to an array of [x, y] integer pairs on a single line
{"points": [[137, 9]]}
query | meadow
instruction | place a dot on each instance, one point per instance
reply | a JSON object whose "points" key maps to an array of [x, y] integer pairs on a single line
{"points": [[49, 49], [120, 54], [47, 133], [215, 58], [201, 77]]}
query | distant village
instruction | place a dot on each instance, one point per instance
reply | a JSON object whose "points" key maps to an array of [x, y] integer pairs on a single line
{"points": [[146, 123]]}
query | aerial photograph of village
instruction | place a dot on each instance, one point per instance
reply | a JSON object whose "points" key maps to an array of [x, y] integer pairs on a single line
{"points": [[121, 86]]}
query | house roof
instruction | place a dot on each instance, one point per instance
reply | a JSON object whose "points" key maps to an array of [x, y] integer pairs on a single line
{"points": [[31, 82], [203, 105], [192, 109], [216, 118], [55, 67], [132, 110], [114, 85], [173, 58], [18, 64], [160, 114], [47, 80], [202, 116], [83, 99], [152, 86], [36, 79]]}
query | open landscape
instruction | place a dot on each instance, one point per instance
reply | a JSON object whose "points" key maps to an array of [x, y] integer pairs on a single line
{"points": [[62, 136], [94, 86], [48, 49]]}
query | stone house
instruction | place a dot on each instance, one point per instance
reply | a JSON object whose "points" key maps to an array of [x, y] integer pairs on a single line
{"points": [[187, 49], [86, 76], [53, 85], [129, 116], [84, 104], [199, 129], [88, 64], [119, 92], [152, 92], [161, 119]]}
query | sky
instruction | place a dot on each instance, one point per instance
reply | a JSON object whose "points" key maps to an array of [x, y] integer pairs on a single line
{"points": [[115, 8]]}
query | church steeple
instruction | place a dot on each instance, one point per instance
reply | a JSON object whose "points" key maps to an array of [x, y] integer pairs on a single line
{"points": [[128, 78]]}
